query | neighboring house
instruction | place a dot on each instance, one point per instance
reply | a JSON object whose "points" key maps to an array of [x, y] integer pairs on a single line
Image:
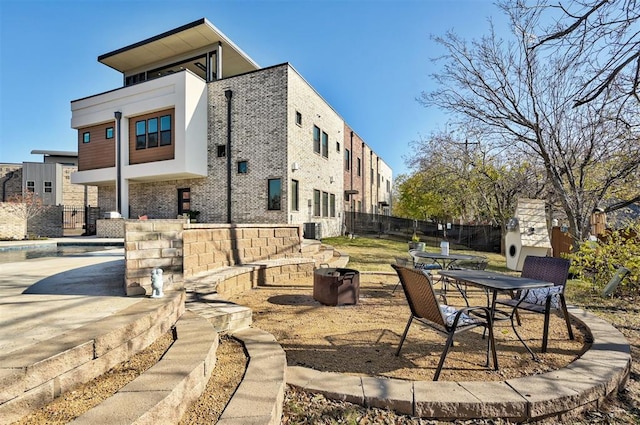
{"points": [[199, 126], [49, 180]]}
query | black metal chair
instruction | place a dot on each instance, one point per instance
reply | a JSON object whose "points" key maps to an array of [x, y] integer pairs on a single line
{"points": [[426, 309], [543, 300]]}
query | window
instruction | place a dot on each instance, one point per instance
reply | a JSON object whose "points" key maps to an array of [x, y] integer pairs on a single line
{"points": [[141, 134], [165, 130], [316, 139], [371, 177], [48, 187], [86, 137], [316, 203], [109, 133], [152, 131], [358, 166], [31, 186], [378, 179], [337, 146], [222, 151], [274, 187], [388, 186], [298, 118], [242, 168], [347, 159], [295, 196], [332, 205], [325, 204], [359, 206], [325, 145]]}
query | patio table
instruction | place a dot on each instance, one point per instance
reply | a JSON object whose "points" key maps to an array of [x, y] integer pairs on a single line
{"points": [[497, 282], [444, 261]]}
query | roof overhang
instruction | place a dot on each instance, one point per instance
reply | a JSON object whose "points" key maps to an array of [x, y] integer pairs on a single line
{"points": [[71, 154], [195, 36]]}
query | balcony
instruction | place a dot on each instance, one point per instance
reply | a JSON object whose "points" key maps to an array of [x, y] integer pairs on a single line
{"points": [[183, 93]]}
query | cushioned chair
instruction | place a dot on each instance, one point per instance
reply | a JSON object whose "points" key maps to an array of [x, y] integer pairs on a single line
{"points": [[542, 300], [426, 309]]}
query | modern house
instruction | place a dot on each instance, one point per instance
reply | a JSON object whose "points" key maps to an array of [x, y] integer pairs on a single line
{"points": [[199, 126]]}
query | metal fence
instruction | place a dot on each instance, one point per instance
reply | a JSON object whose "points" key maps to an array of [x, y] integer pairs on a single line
{"points": [[478, 237], [72, 217]]}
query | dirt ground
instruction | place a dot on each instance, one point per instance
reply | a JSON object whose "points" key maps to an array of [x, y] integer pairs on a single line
{"points": [[362, 339]]}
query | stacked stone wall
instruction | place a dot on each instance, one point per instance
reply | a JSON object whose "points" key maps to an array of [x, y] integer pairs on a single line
{"points": [[151, 244], [12, 222], [208, 247]]}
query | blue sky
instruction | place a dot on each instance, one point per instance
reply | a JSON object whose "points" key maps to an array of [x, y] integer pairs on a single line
{"points": [[369, 59]]}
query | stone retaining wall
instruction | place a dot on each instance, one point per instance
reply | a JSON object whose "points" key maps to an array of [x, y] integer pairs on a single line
{"points": [[211, 246]]}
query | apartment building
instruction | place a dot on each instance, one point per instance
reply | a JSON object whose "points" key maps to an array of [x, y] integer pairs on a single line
{"points": [[199, 126]]}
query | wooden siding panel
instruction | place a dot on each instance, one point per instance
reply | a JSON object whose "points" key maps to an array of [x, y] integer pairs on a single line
{"points": [[159, 153], [100, 152]]}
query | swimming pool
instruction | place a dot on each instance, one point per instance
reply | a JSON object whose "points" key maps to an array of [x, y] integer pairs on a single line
{"points": [[28, 252]]}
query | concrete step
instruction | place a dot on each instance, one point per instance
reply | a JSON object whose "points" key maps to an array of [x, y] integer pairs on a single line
{"points": [[163, 393]]}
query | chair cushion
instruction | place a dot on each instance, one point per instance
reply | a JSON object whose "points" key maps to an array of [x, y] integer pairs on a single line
{"points": [[428, 266], [539, 296], [450, 312]]}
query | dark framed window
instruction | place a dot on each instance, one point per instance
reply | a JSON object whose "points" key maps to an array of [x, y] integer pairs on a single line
{"points": [[337, 146], [48, 187], [165, 130], [222, 151], [332, 205], [108, 134], [152, 132], [316, 203], [347, 159], [31, 186], [274, 195], [358, 165], [295, 195], [325, 204], [298, 118], [86, 137], [316, 139], [378, 180], [242, 167], [325, 145], [184, 200], [141, 134]]}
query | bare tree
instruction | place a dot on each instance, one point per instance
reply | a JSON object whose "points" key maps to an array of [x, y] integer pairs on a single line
{"points": [[603, 33], [521, 100]]}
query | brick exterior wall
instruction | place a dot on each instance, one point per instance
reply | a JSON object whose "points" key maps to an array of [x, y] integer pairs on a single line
{"points": [[111, 228], [73, 194], [12, 225], [107, 198], [47, 222], [353, 181]]}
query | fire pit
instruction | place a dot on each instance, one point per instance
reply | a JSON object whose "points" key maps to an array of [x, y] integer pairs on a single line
{"points": [[333, 286]]}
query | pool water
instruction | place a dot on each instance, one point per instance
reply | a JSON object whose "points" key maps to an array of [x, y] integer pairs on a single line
{"points": [[50, 250]]}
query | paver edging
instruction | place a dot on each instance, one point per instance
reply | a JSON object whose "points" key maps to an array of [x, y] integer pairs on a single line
{"points": [[589, 380]]}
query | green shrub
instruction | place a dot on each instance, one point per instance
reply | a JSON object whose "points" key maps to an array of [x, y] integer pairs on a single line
{"points": [[599, 260]]}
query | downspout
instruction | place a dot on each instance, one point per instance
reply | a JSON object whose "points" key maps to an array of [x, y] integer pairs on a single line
{"points": [[228, 94], [118, 116]]}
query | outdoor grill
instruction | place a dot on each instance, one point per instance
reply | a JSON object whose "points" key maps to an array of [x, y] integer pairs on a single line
{"points": [[335, 286]]}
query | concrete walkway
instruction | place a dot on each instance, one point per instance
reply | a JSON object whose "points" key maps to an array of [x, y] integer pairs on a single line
{"points": [[45, 297]]}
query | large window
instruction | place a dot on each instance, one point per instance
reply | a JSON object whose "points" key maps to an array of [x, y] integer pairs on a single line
{"points": [[332, 205], [152, 128], [316, 139], [243, 168], [275, 194], [184, 200], [295, 196], [153, 132], [48, 187], [347, 159], [165, 130], [222, 151], [141, 134], [31, 186], [325, 204], [325, 145], [316, 203], [359, 167]]}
